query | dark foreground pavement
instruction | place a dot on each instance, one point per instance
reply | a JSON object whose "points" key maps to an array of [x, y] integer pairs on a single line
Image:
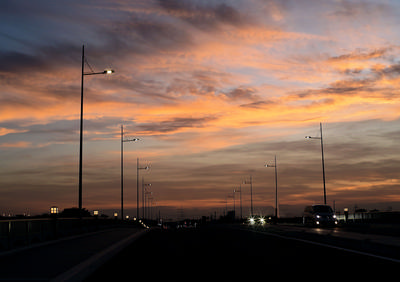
{"points": [[217, 251], [68, 259]]}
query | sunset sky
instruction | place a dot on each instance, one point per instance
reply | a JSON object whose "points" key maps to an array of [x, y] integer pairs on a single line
{"points": [[213, 89]]}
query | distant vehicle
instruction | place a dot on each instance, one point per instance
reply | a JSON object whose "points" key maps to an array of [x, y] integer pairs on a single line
{"points": [[319, 215], [257, 220]]}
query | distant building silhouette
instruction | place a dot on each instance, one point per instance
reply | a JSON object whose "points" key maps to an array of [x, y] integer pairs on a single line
{"points": [[75, 212]]}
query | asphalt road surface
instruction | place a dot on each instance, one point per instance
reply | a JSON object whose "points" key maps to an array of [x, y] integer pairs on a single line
{"points": [[53, 258], [216, 251]]}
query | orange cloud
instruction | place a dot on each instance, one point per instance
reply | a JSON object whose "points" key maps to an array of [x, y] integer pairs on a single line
{"points": [[5, 131], [195, 78], [20, 144]]}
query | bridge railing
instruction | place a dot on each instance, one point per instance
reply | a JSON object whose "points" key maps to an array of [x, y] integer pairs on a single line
{"points": [[370, 217]]}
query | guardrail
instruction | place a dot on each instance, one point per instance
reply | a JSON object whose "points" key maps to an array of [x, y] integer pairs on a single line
{"points": [[24, 232], [370, 217]]}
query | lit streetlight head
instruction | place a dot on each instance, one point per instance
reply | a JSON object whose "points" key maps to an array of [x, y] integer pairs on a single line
{"points": [[131, 140], [312, 137], [108, 71]]}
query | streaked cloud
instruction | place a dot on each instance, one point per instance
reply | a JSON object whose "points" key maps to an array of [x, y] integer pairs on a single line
{"points": [[212, 89]]}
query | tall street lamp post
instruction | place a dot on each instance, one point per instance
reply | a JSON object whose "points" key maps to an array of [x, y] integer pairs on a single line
{"points": [[122, 167], [240, 191], [83, 73], [323, 160], [251, 194], [234, 205], [147, 195], [144, 186], [137, 185], [276, 186]]}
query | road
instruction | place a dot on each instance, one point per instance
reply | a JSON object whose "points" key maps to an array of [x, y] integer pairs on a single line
{"points": [[231, 253], [53, 259]]}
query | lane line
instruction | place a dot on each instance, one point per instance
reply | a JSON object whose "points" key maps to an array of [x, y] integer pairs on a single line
{"points": [[327, 246]]}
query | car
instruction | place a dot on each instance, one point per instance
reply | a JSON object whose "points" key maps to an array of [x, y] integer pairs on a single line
{"points": [[319, 215], [257, 220]]}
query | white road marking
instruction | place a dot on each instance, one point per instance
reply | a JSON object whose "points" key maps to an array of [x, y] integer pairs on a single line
{"points": [[327, 246]]}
